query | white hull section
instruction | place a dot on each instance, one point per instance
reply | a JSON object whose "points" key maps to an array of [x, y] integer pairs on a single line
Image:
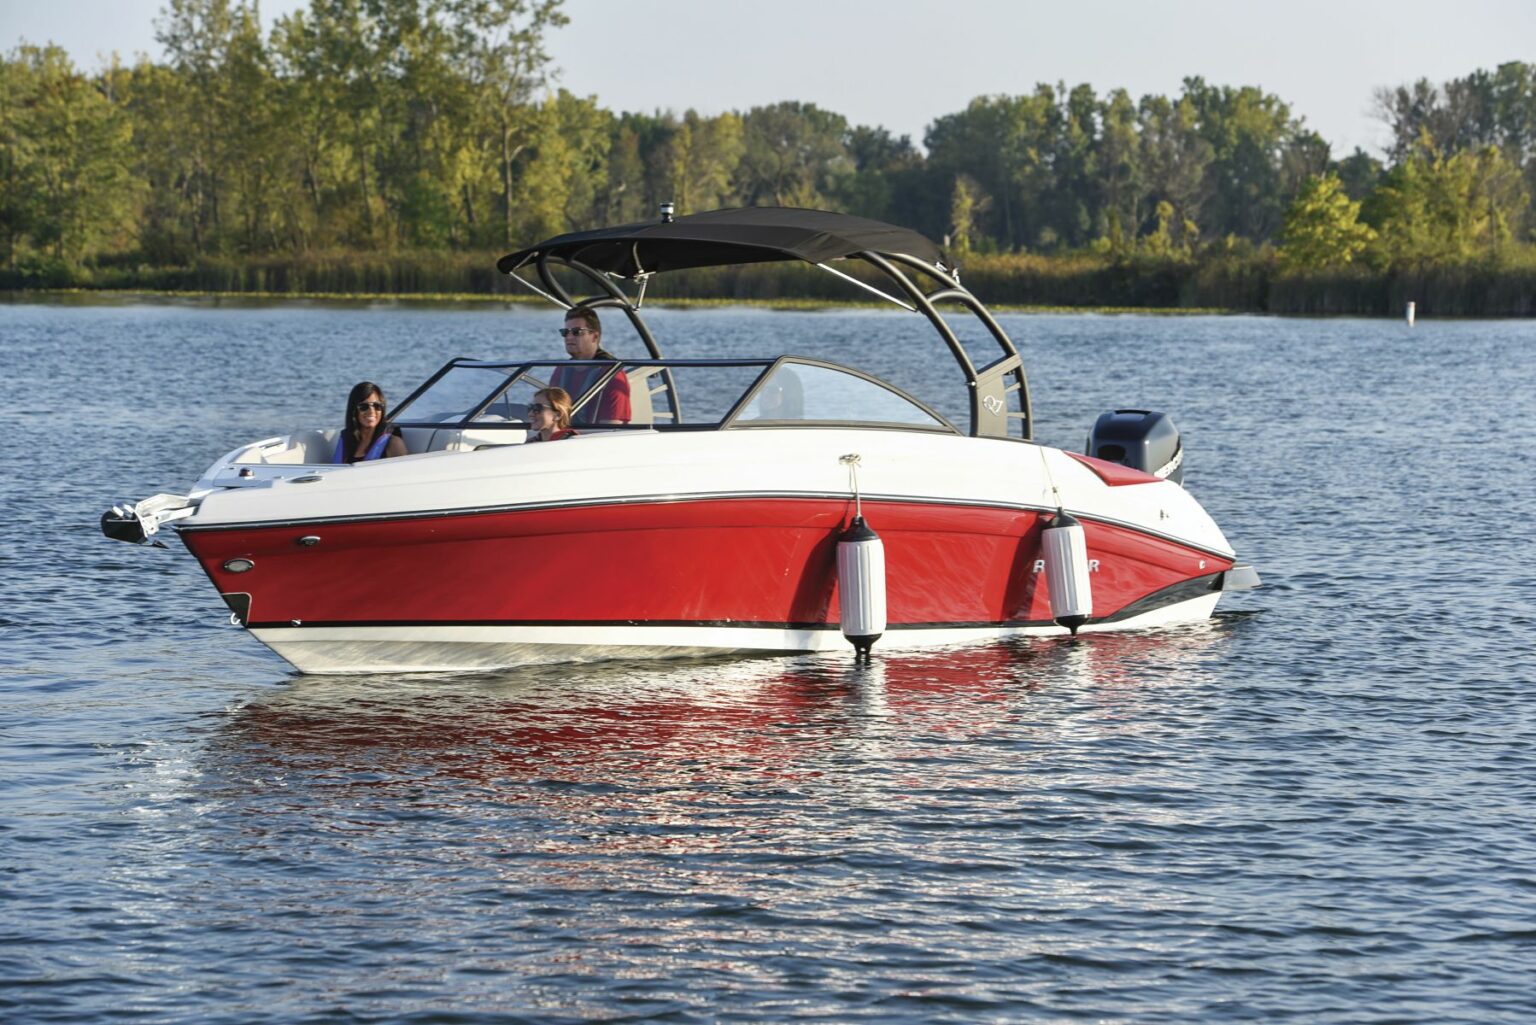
{"points": [[384, 649], [647, 467]]}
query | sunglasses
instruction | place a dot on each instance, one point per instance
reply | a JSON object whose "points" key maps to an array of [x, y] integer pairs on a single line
{"points": [[566, 332], [363, 407], [539, 407]]}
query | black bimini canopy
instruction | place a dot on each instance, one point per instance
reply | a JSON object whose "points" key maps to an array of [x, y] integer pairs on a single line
{"points": [[726, 237], [721, 238]]}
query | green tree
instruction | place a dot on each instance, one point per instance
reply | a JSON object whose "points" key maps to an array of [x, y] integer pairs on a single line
{"points": [[1322, 227], [194, 35], [1248, 135], [563, 168], [1174, 158], [1173, 236], [501, 47], [701, 156], [1076, 192], [966, 202], [1032, 140], [345, 55], [1482, 109], [1007, 144], [318, 160], [1359, 173], [882, 166], [65, 155], [256, 145], [794, 154], [428, 154], [1435, 208], [227, 149], [624, 199], [1468, 115], [1410, 111], [20, 185], [1119, 171]]}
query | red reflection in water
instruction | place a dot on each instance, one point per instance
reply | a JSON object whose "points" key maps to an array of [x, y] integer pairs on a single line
{"points": [[599, 722]]}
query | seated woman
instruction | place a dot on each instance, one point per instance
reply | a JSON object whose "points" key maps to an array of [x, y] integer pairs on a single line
{"points": [[550, 415], [365, 436]]}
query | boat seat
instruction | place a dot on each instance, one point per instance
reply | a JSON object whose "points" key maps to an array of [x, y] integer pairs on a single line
{"points": [[458, 439], [308, 447], [417, 439], [468, 439]]}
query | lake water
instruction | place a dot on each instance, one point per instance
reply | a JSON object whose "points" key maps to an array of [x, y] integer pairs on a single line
{"points": [[1318, 807]]}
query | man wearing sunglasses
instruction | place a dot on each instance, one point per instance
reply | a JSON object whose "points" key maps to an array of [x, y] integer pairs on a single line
{"points": [[583, 335]]}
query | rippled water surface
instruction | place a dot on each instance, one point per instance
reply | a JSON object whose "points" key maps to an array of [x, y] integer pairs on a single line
{"points": [[1317, 807]]}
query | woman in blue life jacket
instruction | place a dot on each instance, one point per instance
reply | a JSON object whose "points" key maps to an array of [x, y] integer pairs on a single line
{"points": [[365, 437]]}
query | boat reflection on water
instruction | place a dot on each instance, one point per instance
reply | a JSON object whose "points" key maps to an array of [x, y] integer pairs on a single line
{"points": [[711, 777], [695, 723]]}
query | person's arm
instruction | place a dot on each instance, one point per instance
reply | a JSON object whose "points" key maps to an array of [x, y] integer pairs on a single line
{"points": [[395, 446]]}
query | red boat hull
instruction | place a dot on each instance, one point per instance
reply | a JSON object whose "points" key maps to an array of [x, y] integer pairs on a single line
{"points": [[742, 562]]}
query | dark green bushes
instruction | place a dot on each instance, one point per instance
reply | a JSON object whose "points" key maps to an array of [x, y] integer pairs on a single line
{"points": [[1250, 282]]}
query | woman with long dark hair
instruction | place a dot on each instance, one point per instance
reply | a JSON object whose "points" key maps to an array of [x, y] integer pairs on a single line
{"points": [[366, 436]]}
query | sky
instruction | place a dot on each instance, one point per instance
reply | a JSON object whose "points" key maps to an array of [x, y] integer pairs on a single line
{"points": [[902, 63]]}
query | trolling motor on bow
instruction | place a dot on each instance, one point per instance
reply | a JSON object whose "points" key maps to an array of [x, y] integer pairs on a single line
{"points": [[137, 522]]}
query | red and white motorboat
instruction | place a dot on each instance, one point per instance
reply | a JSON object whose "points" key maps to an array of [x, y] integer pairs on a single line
{"points": [[760, 505]]}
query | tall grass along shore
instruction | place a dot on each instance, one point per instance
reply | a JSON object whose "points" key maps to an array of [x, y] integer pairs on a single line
{"points": [[1089, 281]]}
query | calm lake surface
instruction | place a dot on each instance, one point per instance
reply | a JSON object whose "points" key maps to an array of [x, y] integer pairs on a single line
{"points": [[1319, 807]]}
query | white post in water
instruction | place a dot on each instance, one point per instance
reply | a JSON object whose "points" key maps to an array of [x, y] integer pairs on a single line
{"points": [[1410, 312]]}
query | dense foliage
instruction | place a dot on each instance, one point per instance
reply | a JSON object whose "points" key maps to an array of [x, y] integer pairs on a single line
{"points": [[398, 129]]}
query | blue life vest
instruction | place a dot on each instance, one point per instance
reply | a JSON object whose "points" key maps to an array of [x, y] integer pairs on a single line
{"points": [[374, 451]]}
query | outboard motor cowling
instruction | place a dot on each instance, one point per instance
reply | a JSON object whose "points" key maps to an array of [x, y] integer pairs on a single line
{"points": [[1141, 439]]}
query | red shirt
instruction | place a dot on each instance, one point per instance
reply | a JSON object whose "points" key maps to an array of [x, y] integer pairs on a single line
{"points": [[612, 406]]}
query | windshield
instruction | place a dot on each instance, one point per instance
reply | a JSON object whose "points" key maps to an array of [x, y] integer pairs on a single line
{"points": [[454, 395], [693, 396], [809, 393], [682, 394]]}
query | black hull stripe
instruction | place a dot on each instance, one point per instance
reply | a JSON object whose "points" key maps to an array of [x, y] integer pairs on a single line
{"points": [[1183, 591], [434, 514]]}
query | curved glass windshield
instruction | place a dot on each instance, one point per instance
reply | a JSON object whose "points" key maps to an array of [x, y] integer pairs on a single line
{"points": [[685, 394], [799, 392], [454, 395]]}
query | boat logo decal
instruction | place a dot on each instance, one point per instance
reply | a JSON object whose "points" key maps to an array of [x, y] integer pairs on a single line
{"points": [[1093, 566], [993, 403]]}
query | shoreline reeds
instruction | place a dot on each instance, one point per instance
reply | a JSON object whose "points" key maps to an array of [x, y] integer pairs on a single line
{"points": [[1074, 282]]}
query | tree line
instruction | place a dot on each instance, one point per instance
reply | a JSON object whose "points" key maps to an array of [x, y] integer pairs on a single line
{"points": [[389, 127]]}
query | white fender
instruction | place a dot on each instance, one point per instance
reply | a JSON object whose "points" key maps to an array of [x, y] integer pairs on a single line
{"points": [[1064, 547], [861, 586]]}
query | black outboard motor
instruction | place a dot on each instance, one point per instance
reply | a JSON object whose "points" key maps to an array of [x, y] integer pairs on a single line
{"points": [[1139, 438]]}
